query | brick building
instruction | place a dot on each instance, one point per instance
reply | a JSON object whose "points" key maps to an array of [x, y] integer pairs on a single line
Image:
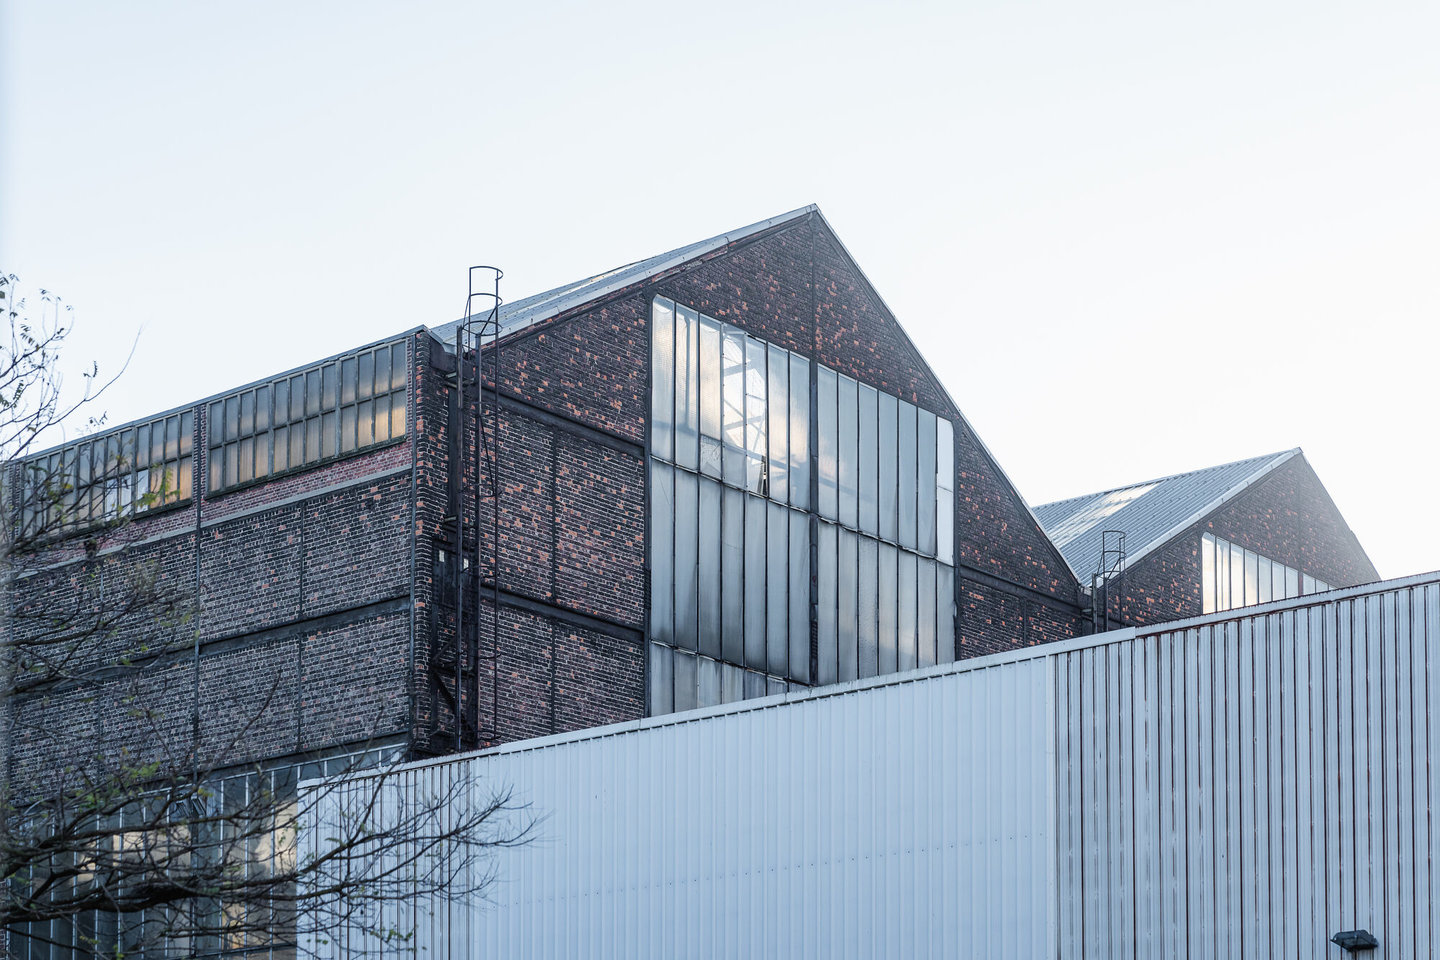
{"points": [[1209, 540], [724, 471]]}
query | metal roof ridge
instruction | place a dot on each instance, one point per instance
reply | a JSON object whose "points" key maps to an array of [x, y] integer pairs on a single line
{"points": [[1173, 476]]}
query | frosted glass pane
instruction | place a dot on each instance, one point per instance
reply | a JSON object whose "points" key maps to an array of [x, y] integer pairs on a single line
{"points": [[777, 582], [828, 443], [732, 683], [825, 614], [909, 588], [732, 413], [755, 523], [711, 422], [925, 613], [848, 467], [867, 594], [906, 466], [662, 552], [869, 477], [662, 379], [757, 417], [1265, 579], [779, 406], [709, 540], [732, 582], [1222, 575], [1277, 578], [708, 680], [847, 565], [945, 491], [925, 480], [1237, 576], [887, 605], [1292, 582], [687, 599], [1252, 577], [800, 597], [685, 680], [662, 680], [800, 432], [888, 493], [687, 387], [944, 615]]}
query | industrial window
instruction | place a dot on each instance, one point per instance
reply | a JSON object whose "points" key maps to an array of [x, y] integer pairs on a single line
{"points": [[731, 528], [331, 410], [105, 478], [1232, 576]]}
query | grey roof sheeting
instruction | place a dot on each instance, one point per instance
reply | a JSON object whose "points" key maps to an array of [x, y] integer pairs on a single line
{"points": [[1149, 513], [542, 306]]}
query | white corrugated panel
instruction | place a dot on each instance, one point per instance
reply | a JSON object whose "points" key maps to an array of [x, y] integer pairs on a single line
{"points": [[1222, 787]]}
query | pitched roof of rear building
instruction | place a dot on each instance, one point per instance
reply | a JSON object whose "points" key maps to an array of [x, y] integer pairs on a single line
{"points": [[1150, 513]]}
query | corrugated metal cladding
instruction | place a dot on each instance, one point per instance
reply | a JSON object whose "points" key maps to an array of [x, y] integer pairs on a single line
{"points": [[1234, 786]]}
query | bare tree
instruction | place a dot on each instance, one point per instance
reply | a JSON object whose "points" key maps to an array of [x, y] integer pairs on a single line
{"points": [[142, 837]]}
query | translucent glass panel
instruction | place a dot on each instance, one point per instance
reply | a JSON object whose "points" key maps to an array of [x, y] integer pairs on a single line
{"points": [[887, 468], [729, 406], [880, 609], [337, 408], [1231, 576], [721, 573], [128, 471], [680, 680]]}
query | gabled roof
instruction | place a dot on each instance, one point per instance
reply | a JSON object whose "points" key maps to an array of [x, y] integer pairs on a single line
{"points": [[1149, 513], [542, 306]]}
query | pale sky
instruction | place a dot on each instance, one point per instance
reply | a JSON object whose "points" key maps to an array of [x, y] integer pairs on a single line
{"points": [[1132, 238]]}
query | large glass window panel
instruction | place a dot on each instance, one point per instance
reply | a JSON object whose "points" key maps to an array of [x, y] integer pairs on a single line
{"points": [[687, 387], [925, 480], [826, 628], [800, 432], [906, 465], [709, 534], [907, 655], [868, 479], [1237, 576], [888, 461], [828, 442], [777, 579], [848, 455], [685, 681], [925, 613], [778, 398], [1221, 574], [866, 594], [662, 680], [888, 606], [732, 575], [754, 685], [687, 599], [1252, 578], [1292, 582], [711, 421], [944, 490], [732, 398], [755, 523], [732, 683], [944, 614], [757, 416], [707, 680], [848, 564], [1265, 580], [800, 596], [1277, 581], [1207, 573], [662, 553]]}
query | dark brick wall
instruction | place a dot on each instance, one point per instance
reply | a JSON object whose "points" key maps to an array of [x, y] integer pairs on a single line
{"points": [[995, 619], [1288, 516]]}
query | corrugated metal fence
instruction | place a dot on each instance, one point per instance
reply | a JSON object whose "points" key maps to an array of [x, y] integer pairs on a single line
{"points": [[1236, 786]]}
